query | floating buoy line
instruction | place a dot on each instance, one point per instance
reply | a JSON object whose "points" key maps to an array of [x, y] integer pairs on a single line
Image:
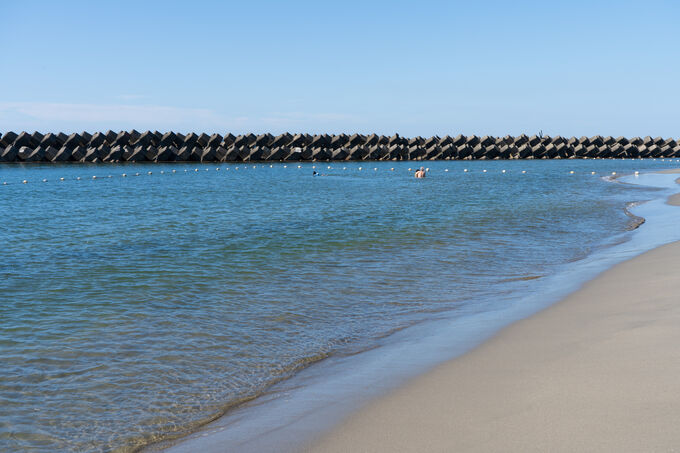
{"points": [[328, 167]]}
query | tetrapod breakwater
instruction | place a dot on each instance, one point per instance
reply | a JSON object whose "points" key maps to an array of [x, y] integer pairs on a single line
{"points": [[134, 146]]}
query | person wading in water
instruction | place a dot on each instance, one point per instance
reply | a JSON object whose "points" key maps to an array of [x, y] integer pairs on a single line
{"points": [[420, 173]]}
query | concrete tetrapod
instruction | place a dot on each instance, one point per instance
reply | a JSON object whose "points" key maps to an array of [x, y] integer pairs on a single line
{"points": [[281, 140], [63, 155], [207, 154], [8, 138], [115, 154], [167, 153], [233, 154], [91, 155], [220, 153], [131, 154], [26, 154], [183, 153], [8, 154], [263, 140], [24, 139], [278, 153], [51, 153], [339, 154], [104, 150]]}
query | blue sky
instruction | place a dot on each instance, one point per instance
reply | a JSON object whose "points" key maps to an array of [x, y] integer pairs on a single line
{"points": [[415, 68]]}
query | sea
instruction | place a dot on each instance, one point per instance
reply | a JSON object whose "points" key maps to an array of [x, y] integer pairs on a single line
{"points": [[143, 303]]}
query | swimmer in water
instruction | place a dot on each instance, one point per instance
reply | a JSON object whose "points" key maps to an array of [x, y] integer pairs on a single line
{"points": [[420, 173]]}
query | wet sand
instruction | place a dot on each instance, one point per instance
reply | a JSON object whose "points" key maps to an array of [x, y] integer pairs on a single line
{"points": [[675, 199], [598, 371]]}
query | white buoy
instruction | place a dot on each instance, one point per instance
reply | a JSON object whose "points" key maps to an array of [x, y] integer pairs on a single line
{"points": [[637, 172], [136, 174], [185, 170], [329, 167], [313, 166], [299, 166], [613, 173], [375, 169], [359, 168], [502, 171], [592, 172], [571, 172], [392, 169], [94, 177], [44, 180], [162, 172], [149, 173], [427, 169], [524, 171], [270, 165], [61, 179], [465, 170], [285, 166], [344, 168], [24, 181], [174, 171], [78, 178], [109, 176], [483, 171], [124, 175], [4, 183], [409, 169]]}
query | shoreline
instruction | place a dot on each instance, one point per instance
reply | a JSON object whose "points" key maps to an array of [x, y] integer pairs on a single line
{"points": [[578, 376], [596, 371], [288, 430]]}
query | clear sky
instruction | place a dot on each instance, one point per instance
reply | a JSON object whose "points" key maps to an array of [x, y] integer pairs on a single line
{"points": [[415, 68]]}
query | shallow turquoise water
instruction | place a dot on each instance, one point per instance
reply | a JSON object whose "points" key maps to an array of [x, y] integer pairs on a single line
{"points": [[135, 308]]}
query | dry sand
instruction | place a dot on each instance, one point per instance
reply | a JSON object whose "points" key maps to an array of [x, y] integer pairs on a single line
{"points": [[599, 371]]}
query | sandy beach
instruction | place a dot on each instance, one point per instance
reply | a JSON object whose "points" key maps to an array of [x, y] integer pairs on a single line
{"points": [[598, 371]]}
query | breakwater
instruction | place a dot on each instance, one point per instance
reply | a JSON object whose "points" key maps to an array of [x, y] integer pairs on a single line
{"points": [[134, 146]]}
